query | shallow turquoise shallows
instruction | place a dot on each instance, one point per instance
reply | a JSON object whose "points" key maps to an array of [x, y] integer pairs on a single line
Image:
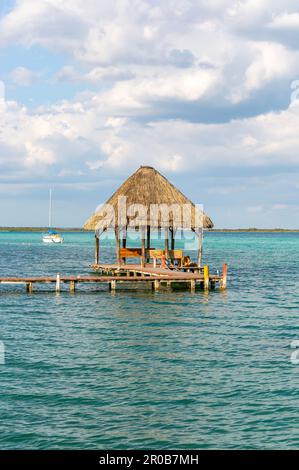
{"points": [[139, 369]]}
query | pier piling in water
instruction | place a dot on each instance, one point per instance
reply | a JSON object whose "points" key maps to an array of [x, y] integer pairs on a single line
{"points": [[29, 287], [132, 275], [206, 277], [223, 282], [57, 288], [72, 286]]}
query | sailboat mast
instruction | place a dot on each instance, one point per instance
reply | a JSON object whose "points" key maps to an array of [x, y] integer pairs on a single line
{"points": [[50, 209]]}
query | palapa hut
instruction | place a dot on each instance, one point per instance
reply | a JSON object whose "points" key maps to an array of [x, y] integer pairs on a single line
{"points": [[147, 201]]}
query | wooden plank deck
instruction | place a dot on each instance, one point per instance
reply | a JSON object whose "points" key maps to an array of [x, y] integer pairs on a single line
{"points": [[112, 275], [148, 270]]}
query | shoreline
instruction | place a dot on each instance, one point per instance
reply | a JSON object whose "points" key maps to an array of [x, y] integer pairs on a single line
{"points": [[81, 230]]}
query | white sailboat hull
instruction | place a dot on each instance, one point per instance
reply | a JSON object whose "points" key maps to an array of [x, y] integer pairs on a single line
{"points": [[52, 236], [52, 239]]}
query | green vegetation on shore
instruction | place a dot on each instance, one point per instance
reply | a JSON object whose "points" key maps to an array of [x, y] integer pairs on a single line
{"points": [[257, 230], [81, 230], [40, 229]]}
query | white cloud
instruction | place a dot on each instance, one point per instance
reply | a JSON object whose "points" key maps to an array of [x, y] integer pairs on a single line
{"points": [[2, 97], [36, 154], [172, 163], [285, 21], [168, 84], [144, 64], [96, 75], [271, 61], [146, 44], [75, 137], [23, 77]]}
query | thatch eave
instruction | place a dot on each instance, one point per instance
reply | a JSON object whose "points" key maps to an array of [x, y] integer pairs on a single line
{"points": [[148, 188]]}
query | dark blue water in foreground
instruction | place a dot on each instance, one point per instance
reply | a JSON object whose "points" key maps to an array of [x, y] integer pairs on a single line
{"points": [[138, 369]]}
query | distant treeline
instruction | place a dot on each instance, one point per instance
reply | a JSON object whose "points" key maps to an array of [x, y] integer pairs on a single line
{"points": [[41, 229], [81, 230], [259, 230]]}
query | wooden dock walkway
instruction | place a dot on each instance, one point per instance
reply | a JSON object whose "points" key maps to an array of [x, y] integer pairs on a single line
{"points": [[145, 270], [125, 275]]}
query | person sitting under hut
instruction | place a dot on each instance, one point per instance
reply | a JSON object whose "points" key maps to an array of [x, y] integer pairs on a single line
{"points": [[187, 263]]}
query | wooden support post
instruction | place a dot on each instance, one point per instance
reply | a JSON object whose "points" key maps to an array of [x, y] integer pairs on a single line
{"points": [[156, 284], [172, 242], [113, 285], [97, 250], [200, 240], [57, 286], [72, 286], [223, 282], [124, 244], [206, 276], [166, 243], [192, 285], [117, 247], [172, 238], [148, 241], [29, 287], [142, 246]]}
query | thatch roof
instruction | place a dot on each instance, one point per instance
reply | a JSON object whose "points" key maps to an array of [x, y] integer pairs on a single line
{"points": [[148, 187]]}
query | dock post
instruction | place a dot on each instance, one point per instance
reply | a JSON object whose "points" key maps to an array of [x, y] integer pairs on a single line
{"points": [[223, 282], [72, 286], [166, 242], [117, 247], [97, 250], [143, 258], [192, 285], [113, 285], [29, 287], [200, 242], [124, 243], [57, 287], [148, 242], [156, 285], [206, 277]]}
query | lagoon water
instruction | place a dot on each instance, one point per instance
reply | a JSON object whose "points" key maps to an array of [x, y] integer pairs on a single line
{"points": [[138, 369]]}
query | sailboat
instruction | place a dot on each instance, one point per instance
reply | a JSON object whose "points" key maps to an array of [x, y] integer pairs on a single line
{"points": [[52, 236]]}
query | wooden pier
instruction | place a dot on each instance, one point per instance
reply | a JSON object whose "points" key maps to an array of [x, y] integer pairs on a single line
{"points": [[112, 275]]}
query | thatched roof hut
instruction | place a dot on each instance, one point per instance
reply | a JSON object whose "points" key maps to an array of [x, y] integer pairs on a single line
{"points": [[148, 187], [143, 192]]}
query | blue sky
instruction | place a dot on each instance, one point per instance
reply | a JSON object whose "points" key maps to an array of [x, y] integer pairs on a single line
{"points": [[201, 90]]}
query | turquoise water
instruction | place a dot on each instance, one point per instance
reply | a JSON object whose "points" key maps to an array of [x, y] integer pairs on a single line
{"points": [[138, 369]]}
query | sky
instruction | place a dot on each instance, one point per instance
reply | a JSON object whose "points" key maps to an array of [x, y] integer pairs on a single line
{"points": [[206, 91]]}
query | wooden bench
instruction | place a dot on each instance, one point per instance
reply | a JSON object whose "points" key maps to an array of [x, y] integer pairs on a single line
{"points": [[130, 252], [175, 255], [152, 253]]}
